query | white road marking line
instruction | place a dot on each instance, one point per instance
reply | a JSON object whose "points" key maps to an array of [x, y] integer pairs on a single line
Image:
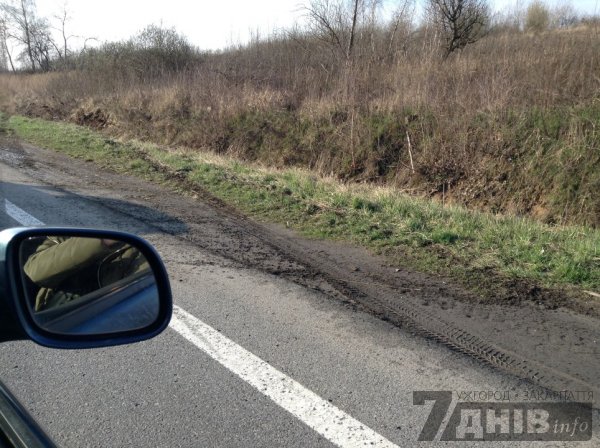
{"points": [[21, 216], [332, 423]]}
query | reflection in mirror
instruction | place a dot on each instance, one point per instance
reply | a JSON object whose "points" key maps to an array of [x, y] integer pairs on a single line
{"points": [[78, 286]]}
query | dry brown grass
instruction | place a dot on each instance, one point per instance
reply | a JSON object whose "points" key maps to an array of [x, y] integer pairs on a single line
{"points": [[513, 105], [503, 71]]}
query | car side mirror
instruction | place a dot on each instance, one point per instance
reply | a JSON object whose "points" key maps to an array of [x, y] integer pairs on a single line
{"points": [[80, 288]]}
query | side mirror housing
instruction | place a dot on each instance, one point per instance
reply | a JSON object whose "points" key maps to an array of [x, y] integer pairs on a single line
{"points": [[81, 288]]}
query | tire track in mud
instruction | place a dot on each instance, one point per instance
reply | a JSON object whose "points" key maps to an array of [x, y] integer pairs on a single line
{"points": [[379, 300], [383, 302]]}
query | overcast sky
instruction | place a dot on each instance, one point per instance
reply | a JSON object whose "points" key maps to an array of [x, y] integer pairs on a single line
{"points": [[209, 24]]}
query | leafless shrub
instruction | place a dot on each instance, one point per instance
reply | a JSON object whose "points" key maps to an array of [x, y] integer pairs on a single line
{"points": [[460, 22], [537, 17]]}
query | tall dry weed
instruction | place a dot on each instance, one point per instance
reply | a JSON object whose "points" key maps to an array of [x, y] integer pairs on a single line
{"points": [[471, 119]]}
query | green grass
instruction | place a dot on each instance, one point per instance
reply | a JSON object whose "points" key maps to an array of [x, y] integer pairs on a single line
{"points": [[419, 233]]}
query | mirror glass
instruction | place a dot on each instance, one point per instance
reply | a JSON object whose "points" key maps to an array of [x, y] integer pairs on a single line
{"points": [[87, 286]]}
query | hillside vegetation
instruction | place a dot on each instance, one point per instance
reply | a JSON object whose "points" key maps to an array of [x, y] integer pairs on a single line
{"points": [[500, 259], [508, 124]]}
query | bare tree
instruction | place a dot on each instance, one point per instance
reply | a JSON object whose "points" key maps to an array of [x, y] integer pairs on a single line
{"points": [[335, 22], [32, 34], [564, 15], [461, 22], [5, 56], [43, 46], [372, 6], [63, 18], [352, 29], [19, 16], [401, 22]]}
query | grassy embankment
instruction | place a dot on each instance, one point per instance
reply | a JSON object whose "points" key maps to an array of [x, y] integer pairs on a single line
{"points": [[508, 125], [484, 251]]}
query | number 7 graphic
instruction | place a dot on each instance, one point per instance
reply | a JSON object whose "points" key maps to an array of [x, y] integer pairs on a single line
{"points": [[442, 400]]}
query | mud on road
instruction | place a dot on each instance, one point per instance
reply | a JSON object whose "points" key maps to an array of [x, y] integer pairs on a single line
{"points": [[553, 348]]}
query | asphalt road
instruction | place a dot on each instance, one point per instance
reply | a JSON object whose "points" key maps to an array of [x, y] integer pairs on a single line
{"points": [[170, 391]]}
